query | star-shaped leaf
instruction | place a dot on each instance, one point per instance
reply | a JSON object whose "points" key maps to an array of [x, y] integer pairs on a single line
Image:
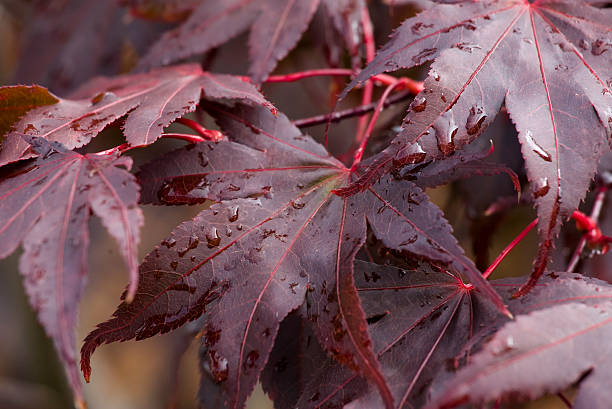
{"points": [[149, 102], [276, 235], [425, 322], [45, 206], [276, 26], [548, 61]]}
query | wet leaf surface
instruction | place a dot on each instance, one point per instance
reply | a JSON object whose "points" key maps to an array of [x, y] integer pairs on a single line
{"points": [[45, 205], [253, 251]]}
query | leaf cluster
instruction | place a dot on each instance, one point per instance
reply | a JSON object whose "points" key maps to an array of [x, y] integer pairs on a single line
{"points": [[330, 278]]}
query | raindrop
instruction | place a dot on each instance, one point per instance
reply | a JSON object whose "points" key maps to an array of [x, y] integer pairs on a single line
{"points": [[424, 55], [193, 243], [218, 367], [467, 47], [233, 188], [101, 97], [169, 243], [213, 238], [584, 44], [251, 359], [410, 154], [228, 231], [434, 74], [542, 188], [174, 265], [391, 65], [239, 227], [233, 214], [469, 25], [417, 27], [446, 129], [419, 104], [536, 147], [297, 205], [475, 119], [600, 46]]}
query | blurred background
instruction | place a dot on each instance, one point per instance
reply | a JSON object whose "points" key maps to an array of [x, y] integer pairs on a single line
{"points": [[62, 43]]}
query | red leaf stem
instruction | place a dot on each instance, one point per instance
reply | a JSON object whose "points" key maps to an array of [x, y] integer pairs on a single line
{"points": [[379, 107], [509, 248], [592, 232], [207, 134], [370, 46]]}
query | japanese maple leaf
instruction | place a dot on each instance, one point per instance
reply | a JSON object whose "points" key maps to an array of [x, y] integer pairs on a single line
{"points": [[149, 102], [575, 332], [45, 206], [276, 27], [67, 42], [548, 61], [425, 321], [275, 231]]}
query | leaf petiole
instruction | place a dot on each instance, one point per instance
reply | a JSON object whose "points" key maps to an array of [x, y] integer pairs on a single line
{"points": [[487, 273]]}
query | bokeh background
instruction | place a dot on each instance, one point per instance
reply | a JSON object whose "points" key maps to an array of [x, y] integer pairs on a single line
{"points": [[153, 373]]}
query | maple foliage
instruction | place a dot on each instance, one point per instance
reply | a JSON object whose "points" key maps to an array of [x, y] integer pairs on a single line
{"points": [[150, 102], [276, 26], [275, 197], [45, 206], [323, 271], [562, 49]]}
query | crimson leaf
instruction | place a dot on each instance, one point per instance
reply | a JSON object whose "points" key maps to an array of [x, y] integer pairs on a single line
{"points": [[425, 321], [149, 101], [546, 60], [276, 26], [276, 230], [45, 206]]}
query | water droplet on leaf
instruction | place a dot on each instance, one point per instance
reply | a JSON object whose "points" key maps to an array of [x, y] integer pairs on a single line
{"points": [[446, 129], [535, 147], [475, 119]]}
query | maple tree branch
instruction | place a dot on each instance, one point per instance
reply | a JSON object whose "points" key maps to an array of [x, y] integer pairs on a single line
{"points": [[487, 273], [337, 116], [592, 231]]}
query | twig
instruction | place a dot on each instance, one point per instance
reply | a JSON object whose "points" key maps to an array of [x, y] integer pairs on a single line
{"points": [[351, 112]]}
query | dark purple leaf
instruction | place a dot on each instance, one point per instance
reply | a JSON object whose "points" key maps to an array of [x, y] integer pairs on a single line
{"points": [[424, 322], [148, 101], [276, 26], [45, 206], [253, 250], [548, 61], [543, 352]]}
